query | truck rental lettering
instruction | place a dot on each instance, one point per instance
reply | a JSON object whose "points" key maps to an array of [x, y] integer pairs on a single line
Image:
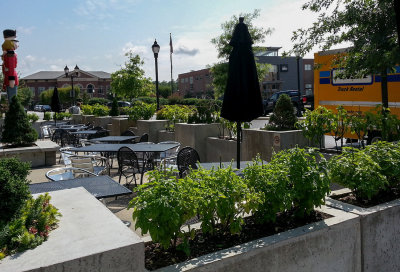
{"points": [[350, 89]]}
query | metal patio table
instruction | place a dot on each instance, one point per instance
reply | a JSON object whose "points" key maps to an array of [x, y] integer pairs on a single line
{"points": [[143, 148], [98, 186], [115, 139]]}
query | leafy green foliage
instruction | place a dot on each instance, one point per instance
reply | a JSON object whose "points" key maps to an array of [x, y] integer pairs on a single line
{"points": [[206, 112], [316, 124], [47, 116], [174, 114], [14, 188], [17, 128], [220, 70], [30, 227], [283, 117], [130, 80], [25, 95], [63, 93], [340, 123], [114, 108], [96, 110], [141, 111], [61, 115], [32, 117], [358, 171], [98, 100]]}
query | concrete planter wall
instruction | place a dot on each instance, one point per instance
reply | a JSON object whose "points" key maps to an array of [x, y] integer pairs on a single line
{"points": [[330, 245], [43, 154], [102, 121], [263, 142], [380, 228], [89, 238], [76, 119], [119, 125], [221, 150], [88, 119], [164, 135], [151, 127], [195, 135]]}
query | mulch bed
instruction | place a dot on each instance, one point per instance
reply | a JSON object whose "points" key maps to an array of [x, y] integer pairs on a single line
{"points": [[156, 257], [382, 197]]}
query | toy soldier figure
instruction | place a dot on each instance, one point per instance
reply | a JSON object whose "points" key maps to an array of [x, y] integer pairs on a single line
{"points": [[9, 58]]}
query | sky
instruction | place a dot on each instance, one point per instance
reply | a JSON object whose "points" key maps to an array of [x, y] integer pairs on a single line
{"points": [[96, 34]]}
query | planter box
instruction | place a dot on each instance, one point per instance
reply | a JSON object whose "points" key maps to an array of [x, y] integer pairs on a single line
{"points": [[264, 142], [89, 238], [221, 150], [43, 154], [150, 127], [164, 135], [195, 135], [76, 119], [119, 125], [88, 119], [329, 245], [380, 228], [102, 121]]}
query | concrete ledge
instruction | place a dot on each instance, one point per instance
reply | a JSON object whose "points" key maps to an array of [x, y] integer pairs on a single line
{"points": [[43, 153], [89, 238], [330, 245], [221, 150], [380, 228]]}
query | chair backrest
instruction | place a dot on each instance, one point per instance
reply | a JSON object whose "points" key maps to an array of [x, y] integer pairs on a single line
{"points": [[187, 157], [98, 128], [144, 138], [99, 134], [127, 157], [128, 133], [45, 132], [66, 154], [82, 162], [171, 152], [65, 173]]}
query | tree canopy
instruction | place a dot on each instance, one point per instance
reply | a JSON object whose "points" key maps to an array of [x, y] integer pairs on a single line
{"points": [[368, 25], [129, 81], [220, 69]]}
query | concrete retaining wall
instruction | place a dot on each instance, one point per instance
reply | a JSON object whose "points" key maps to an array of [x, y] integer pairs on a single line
{"points": [[102, 121], [119, 125], [380, 234], [42, 154], [331, 245], [263, 142], [164, 135], [195, 135], [89, 238], [151, 127], [221, 150]]}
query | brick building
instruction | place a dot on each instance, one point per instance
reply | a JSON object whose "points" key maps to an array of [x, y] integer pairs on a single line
{"points": [[94, 83], [286, 73]]}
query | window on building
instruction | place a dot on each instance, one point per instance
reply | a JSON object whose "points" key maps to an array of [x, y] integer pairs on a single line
{"points": [[308, 89], [32, 89], [41, 89], [307, 67], [186, 80], [191, 86], [182, 80], [90, 88], [100, 89], [191, 80]]}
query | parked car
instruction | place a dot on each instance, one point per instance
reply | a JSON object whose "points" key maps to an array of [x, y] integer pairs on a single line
{"points": [[43, 108], [295, 96], [308, 101], [120, 104]]}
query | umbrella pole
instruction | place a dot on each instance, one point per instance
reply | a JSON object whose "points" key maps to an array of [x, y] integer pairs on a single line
{"points": [[239, 132]]}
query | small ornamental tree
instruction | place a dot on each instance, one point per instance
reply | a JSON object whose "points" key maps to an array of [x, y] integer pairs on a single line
{"points": [[18, 131], [283, 117], [114, 108]]}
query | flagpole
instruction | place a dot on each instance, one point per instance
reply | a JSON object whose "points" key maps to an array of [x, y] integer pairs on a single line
{"points": [[170, 57]]}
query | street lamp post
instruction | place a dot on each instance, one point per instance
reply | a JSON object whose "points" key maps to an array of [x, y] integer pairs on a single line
{"points": [[156, 48], [73, 74]]}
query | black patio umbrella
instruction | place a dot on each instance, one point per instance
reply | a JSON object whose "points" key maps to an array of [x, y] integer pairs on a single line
{"points": [[397, 12], [55, 103], [242, 98]]}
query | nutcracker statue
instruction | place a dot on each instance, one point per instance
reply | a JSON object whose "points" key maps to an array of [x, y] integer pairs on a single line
{"points": [[9, 58]]}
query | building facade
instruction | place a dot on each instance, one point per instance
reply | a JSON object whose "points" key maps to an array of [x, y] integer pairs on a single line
{"points": [[94, 83], [286, 73]]}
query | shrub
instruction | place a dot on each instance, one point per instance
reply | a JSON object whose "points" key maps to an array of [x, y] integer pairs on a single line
{"points": [[96, 110], [97, 100], [87, 109], [140, 110], [30, 227], [206, 112], [17, 128], [14, 188], [47, 116], [32, 117], [174, 114], [114, 108], [283, 117], [62, 115], [358, 171]]}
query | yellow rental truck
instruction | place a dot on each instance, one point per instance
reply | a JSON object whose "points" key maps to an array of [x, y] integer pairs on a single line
{"points": [[354, 94]]}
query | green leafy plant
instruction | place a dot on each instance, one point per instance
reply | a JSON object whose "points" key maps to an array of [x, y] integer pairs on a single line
{"points": [[316, 124], [283, 117], [14, 190], [30, 227], [32, 117], [61, 115], [18, 130], [114, 108], [358, 171], [87, 109], [141, 111], [206, 112], [96, 110], [340, 125], [47, 116], [174, 114]]}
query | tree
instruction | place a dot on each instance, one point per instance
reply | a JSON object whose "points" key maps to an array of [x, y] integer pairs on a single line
{"points": [[219, 70], [114, 108], [17, 128], [129, 81], [25, 95], [368, 25], [64, 94]]}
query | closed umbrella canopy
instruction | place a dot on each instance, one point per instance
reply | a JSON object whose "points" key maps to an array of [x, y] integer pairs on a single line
{"points": [[242, 98]]}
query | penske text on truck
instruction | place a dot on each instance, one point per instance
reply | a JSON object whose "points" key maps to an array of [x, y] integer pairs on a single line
{"points": [[354, 94]]}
